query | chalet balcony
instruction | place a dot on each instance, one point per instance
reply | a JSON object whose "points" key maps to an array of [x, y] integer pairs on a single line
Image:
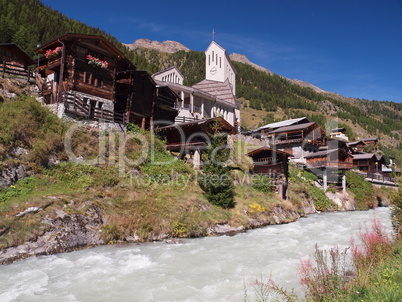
{"points": [[321, 164], [297, 141], [54, 62], [265, 160]]}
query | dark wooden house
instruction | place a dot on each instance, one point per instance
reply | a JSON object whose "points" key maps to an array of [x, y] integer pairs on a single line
{"points": [[336, 159], [269, 161], [370, 141], [330, 162], [94, 79], [365, 162], [15, 62], [262, 131], [357, 146], [297, 139], [274, 164]]}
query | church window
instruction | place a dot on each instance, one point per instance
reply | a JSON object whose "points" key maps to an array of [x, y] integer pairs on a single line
{"points": [[213, 55], [220, 62], [216, 59], [209, 59]]}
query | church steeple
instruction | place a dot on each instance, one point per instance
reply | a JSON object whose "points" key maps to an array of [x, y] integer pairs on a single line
{"points": [[218, 65]]}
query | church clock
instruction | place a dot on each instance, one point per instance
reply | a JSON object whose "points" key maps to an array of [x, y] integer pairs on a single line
{"points": [[213, 70]]}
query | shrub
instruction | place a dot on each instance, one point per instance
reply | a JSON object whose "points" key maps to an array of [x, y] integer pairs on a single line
{"points": [[322, 202], [262, 184], [22, 187], [365, 195]]}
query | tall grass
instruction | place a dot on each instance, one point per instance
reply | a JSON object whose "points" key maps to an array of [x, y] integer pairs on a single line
{"points": [[332, 278]]}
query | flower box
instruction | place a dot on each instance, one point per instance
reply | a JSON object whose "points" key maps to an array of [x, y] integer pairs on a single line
{"points": [[97, 62], [53, 53]]}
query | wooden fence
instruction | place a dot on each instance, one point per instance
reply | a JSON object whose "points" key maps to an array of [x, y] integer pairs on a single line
{"points": [[74, 104], [16, 71]]}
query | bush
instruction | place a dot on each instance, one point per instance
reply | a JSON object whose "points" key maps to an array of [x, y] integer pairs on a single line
{"points": [[365, 195], [263, 184], [322, 202]]}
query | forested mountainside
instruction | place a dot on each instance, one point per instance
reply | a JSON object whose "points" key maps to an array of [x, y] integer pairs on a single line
{"points": [[30, 22], [267, 96]]}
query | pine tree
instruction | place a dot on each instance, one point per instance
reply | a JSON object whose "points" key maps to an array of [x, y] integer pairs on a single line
{"points": [[216, 181]]}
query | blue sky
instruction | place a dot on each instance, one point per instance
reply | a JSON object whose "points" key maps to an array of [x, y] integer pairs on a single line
{"points": [[351, 47]]}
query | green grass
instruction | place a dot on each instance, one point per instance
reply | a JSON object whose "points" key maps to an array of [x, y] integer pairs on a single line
{"points": [[364, 194]]}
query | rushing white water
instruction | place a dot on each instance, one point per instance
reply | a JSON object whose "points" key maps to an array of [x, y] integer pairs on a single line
{"points": [[204, 269]]}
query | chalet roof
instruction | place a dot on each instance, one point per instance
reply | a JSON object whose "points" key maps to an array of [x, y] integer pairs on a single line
{"points": [[264, 149], [17, 53], [369, 139], [285, 123], [221, 90], [351, 144], [293, 128], [363, 156], [72, 36], [338, 130]]}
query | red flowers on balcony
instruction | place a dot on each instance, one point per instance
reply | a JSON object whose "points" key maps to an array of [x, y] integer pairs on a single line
{"points": [[52, 53], [97, 62]]}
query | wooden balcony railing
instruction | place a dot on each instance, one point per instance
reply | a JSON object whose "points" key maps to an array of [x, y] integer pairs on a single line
{"points": [[330, 164]]}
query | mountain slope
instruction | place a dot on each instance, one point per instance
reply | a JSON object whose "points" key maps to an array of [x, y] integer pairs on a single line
{"points": [[165, 46]]}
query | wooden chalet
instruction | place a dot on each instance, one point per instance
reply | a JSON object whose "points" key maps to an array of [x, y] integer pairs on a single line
{"points": [[269, 161], [195, 135], [357, 146], [274, 164], [336, 159], [94, 79], [261, 132], [297, 138], [330, 166], [15, 62], [365, 162]]}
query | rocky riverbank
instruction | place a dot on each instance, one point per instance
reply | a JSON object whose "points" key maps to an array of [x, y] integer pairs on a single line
{"points": [[67, 232]]}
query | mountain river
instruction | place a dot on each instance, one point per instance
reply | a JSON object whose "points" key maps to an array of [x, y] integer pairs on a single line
{"points": [[202, 269]]}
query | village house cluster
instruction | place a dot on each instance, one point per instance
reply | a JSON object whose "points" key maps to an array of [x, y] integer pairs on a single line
{"points": [[89, 78]]}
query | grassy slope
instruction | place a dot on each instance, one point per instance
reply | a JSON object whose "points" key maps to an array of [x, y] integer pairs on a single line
{"points": [[147, 207]]}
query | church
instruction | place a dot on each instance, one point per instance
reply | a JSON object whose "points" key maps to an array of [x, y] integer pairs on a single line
{"points": [[213, 97]]}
